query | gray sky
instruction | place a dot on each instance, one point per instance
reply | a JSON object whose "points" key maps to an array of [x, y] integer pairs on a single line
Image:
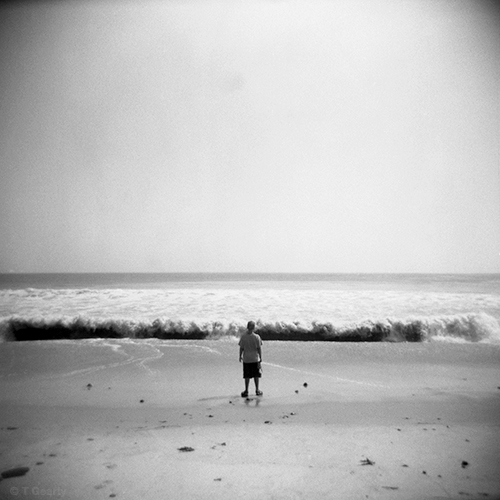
{"points": [[273, 136]]}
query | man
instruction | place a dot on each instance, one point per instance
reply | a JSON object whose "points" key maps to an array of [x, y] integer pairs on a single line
{"points": [[251, 355]]}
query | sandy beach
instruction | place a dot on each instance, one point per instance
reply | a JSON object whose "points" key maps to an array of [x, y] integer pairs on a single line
{"points": [[165, 419]]}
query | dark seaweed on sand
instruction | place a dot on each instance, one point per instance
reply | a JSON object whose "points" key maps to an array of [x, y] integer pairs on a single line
{"points": [[15, 472]]}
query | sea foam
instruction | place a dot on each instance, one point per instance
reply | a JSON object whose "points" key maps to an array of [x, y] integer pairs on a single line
{"points": [[282, 312]]}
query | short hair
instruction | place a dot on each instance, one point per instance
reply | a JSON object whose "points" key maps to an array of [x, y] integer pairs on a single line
{"points": [[251, 325]]}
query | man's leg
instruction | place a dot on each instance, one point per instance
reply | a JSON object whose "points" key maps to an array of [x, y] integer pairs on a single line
{"points": [[256, 380], [247, 382]]}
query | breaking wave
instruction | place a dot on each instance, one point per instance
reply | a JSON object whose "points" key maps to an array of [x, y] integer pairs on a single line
{"points": [[458, 328]]}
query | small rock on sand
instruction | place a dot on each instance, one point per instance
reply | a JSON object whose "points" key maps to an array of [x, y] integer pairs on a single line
{"points": [[186, 448]]}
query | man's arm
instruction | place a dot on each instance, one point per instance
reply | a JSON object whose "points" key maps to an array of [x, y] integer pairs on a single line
{"points": [[241, 353]]}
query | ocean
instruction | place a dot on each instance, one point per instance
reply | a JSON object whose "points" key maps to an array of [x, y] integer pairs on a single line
{"points": [[319, 307]]}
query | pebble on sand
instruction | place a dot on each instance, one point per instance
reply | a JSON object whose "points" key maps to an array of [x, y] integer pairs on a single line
{"points": [[186, 448]]}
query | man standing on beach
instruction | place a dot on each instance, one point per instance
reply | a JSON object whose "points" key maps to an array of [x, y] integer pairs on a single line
{"points": [[251, 355]]}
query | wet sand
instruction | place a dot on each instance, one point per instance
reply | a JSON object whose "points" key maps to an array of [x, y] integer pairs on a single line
{"points": [[123, 419]]}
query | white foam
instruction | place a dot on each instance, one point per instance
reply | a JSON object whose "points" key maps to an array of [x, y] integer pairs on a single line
{"points": [[225, 311]]}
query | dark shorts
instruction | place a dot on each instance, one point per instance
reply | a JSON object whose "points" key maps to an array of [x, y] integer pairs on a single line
{"points": [[251, 370]]}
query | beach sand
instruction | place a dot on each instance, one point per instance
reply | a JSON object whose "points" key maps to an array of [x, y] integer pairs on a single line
{"points": [[151, 419]]}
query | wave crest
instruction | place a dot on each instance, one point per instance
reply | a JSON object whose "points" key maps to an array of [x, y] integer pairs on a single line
{"points": [[462, 328]]}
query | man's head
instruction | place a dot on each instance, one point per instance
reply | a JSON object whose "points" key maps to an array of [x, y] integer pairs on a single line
{"points": [[251, 326]]}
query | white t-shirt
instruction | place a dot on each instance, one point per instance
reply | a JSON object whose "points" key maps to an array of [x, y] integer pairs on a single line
{"points": [[250, 343]]}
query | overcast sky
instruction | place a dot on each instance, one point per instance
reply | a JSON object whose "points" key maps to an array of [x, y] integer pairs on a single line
{"points": [[273, 136]]}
